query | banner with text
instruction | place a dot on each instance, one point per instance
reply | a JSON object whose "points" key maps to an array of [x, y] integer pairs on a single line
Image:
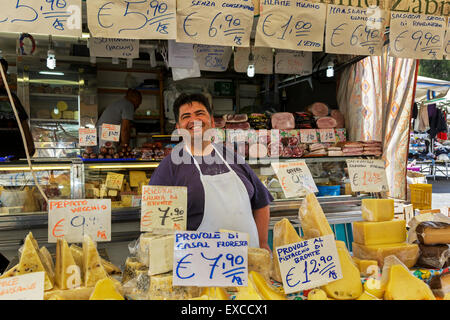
{"points": [[72, 219], [417, 36], [58, 18], [210, 259], [355, 31], [219, 22], [145, 19], [295, 25], [367, 175]]}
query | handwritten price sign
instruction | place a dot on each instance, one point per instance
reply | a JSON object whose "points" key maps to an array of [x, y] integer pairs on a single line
{"points": [[212, 58], [87, 137], [144, 19], [352, 30], [55, 17], [294, 178], [367, 175], [327, 135], [114, 48], [110, 132], [293, 62], [262, 58], [295, 25], [417, 36], [163, 208], [308, 136], [309, 264], [26, 287], [220, 22], [210, 259], [72, 219]]}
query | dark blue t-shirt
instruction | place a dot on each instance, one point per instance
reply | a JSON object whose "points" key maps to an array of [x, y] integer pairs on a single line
{"points": [[172, 172]]}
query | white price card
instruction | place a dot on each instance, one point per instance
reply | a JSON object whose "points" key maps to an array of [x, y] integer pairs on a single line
{"points": [[308, 264], [327, 136], [293, 62], [163, 208], [52, 17], [367, 175], [25, 287], [294, 178], [110, 132], [144, 19], [210, 259], [114, 48], [212, 58], [308, 136], [72, 219], [87, 137]]}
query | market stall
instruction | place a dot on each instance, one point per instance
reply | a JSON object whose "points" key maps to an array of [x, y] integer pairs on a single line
{"points": [[291, 97]]}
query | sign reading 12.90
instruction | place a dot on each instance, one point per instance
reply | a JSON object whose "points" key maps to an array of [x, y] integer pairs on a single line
{"points": [[210, 259], [220, 22]]}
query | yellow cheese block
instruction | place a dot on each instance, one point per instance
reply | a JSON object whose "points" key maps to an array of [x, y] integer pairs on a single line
{"points": [[367, 296], [213, 293], [377, 209], [92, 266], [137, 177], [67, 272], [105, 290], [250, 292], [368, 267], [81, 293], [161, 288], [312, 219], [402, 285], [283, 233], [264, 288], [356, 261], [317, 294], [405, 252], [374, 287], [349, 287], [385, 232]]}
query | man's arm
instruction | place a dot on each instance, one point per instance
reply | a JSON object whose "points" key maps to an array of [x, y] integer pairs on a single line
{"points": [[125, 129], [262, 218]]}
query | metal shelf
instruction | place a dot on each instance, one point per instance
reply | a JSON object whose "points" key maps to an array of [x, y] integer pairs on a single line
{"points": [[54, 95], [71, 121]]}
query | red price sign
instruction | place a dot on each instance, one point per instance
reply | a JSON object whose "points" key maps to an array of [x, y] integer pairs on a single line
{"points": [[110, 132], [367, 175], [87, 137]]}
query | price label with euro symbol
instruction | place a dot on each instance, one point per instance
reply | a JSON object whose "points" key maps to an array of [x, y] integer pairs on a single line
{"points": [[367, 175], [295, 25], [163, 208], [417, 36], [308, 264], [220, 22], [210, 259]]}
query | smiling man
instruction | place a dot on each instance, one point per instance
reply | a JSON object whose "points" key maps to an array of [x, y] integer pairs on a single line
{"points": [[223, 191]]}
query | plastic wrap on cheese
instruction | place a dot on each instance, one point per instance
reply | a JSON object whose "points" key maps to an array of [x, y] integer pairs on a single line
{"points": [[415, 221], [161, 288], [312, 218], [434, 256], [405, 252]]}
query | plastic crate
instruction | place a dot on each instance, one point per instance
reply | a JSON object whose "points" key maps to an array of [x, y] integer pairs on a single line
{"points": [[421, 195]]}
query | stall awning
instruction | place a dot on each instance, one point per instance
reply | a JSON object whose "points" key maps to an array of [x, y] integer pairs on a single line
{"points": [[429, 88]]}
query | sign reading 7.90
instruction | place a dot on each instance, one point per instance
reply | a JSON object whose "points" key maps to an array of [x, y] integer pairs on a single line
{"points": [[221, 22], [138, 19]]}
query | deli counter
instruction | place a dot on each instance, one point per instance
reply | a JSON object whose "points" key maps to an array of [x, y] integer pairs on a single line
{"points": [[23, 209]]}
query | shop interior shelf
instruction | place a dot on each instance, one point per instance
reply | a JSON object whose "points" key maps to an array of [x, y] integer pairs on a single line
{"points": [[54, 95]]}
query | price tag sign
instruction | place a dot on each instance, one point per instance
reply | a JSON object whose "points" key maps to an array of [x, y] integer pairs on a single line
{"points": [[110, 132], [53, 17], [293, 62], [308, 136], [294, 178], [163, 208], [327, 135], [144, 19], [212, 58], [367, 175], [295, 25], [219, 22], [417, 36], [309, 264], [114, 180], [447, 41], [114, 48], [72, 219], [87, 137], [262, 58], [210, 259], [352, 30], [25, 287]]}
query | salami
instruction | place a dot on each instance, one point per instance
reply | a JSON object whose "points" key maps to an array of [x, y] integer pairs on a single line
{"points": [[326, 123], [235, 118], [319, 109]]}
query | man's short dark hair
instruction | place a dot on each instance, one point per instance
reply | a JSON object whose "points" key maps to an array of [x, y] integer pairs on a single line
{"points": [[188, 99], [4, 64]]}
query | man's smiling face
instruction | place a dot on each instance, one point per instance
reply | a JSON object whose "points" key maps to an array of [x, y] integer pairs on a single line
{"points": [[195, 118]]}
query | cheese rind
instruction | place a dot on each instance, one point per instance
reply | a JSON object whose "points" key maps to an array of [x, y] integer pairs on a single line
{"points": [[430, 232], [368, 267], [376, 210], [385, 232], [405, 252], [161, 254], [259, 260], [312, 219], [68, 274], [161, 288]]}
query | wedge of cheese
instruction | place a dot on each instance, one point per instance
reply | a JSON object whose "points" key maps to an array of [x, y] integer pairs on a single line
{"points": [[12, 272], [137, 178], [312, 218], [105, 289], [92, 264], [213, 293], [68, 274], [161, 288], [402, 285], [81, 293], [109, 267], [260, 260], [47, 259], [160, 251], [30, 261], [283, 233]]}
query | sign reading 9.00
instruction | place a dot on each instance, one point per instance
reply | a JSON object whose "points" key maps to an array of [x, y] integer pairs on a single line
{"points": [[220, 22]]}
